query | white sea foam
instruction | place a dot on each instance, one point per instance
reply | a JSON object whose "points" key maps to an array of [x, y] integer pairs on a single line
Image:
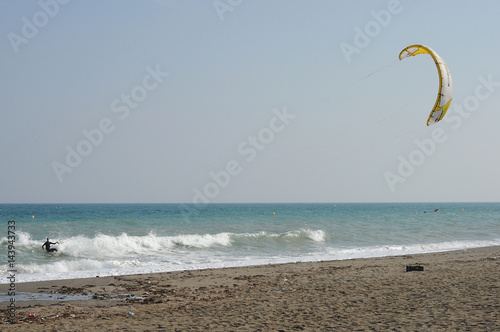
{"points": [[23, 239], [124, 245], [85, 268], [317, 236], [398, 250], [107, 246], [62, 266]]}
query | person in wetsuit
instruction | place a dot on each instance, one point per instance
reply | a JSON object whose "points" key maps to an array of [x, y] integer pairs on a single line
{"points": [[47, 246]]}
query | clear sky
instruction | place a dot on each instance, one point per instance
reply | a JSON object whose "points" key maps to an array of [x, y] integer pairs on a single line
{"points": [[246, 101]]}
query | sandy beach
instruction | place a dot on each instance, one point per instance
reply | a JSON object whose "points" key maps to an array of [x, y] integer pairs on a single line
{"points": [[457, 290]]}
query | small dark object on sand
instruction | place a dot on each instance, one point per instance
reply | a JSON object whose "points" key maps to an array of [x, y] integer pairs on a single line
{"points": [[410, 268]]}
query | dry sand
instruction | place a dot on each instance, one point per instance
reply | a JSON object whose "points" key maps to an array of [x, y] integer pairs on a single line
{"points": [[457, 291]]}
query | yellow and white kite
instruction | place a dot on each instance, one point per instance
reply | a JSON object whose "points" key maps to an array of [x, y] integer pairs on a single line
{"points": [[445, 93]]}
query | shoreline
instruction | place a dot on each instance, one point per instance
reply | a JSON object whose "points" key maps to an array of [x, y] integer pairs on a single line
{"points": [[457, 290], [90, 274]]}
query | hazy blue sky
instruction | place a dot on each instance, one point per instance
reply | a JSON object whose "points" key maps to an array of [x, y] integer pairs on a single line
{"points": [[246, 101]]}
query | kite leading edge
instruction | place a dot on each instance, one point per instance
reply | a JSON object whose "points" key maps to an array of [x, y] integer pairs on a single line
{"points": [[445, 93]]}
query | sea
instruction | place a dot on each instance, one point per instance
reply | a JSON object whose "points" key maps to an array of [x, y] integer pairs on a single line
{"points": [[121, 239]]}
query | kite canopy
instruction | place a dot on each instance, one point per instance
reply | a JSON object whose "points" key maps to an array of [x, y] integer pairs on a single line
{"points": [[445, 92]]}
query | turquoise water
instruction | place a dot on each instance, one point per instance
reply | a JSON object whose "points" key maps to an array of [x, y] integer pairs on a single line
{"points": [[116, 239]]}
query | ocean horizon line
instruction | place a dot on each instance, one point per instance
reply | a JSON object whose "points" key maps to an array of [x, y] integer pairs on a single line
{"points": [[243, 203]]}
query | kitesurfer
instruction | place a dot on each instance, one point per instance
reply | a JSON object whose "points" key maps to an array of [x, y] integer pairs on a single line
{"points": [[47, 246]]}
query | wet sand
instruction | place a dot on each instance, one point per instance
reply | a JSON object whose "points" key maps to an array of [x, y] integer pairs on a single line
{"points": [[457, 290]]}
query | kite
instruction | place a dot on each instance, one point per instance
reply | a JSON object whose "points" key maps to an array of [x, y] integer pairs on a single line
{"points": [[445, 93]]}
